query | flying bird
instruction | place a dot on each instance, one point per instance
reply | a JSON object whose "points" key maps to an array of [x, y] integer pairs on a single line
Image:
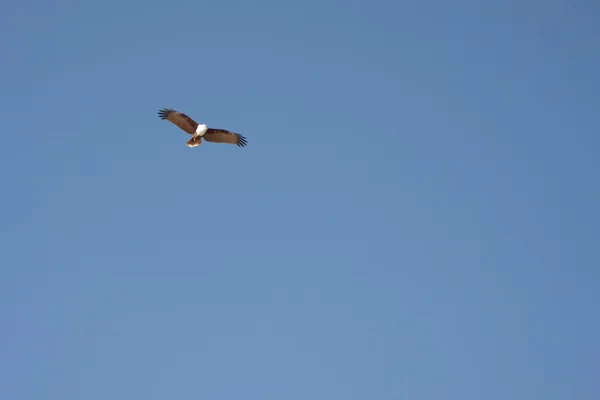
{"points": [[199, 131]]}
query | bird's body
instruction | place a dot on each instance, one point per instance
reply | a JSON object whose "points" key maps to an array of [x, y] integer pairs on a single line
{"points": [[199, 131]]}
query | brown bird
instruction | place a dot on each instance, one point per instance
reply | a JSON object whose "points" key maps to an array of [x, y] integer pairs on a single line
{"points": [[199, 131]]}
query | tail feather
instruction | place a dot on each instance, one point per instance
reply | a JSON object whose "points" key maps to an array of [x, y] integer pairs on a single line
{"points": [[194, 141]]}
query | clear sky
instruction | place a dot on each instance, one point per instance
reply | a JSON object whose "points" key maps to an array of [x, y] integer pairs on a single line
{"points": [[416, 214]]}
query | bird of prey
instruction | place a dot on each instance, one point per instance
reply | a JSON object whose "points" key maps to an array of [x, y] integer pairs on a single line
{"points": [[199, 131]]}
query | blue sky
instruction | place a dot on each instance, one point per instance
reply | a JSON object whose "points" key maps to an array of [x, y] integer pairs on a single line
{"points": [[415, 215]]}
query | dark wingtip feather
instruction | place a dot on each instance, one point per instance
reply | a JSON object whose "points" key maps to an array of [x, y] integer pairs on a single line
{"points": [[241, 140], [163, 113]]}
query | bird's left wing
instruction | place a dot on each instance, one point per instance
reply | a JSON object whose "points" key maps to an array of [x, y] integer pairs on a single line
{"points": [[223, 136], [184, 122]]}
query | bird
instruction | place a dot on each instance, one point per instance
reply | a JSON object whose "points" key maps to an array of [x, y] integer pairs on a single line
{"points": [[199, 131]]}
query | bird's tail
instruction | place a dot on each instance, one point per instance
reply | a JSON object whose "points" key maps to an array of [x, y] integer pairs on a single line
{"points": [[194, 141]]}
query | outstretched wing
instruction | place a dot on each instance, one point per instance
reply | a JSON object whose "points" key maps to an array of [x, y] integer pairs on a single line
{"points": [[223, 136], [180, 119]]}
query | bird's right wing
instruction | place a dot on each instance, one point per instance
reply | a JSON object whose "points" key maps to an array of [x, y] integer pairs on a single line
{"points": [[224, 136]]}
